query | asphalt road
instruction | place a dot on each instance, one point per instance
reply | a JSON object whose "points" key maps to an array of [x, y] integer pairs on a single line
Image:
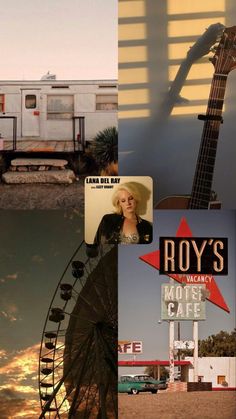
{"points": [[179, 405]]}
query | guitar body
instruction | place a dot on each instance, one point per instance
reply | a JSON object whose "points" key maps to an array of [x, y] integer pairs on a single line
{"points": [[181, 202], [174, 202]]}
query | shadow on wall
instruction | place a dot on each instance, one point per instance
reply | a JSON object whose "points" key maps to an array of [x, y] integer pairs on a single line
{"points": [[154, 40], [145, 194]]}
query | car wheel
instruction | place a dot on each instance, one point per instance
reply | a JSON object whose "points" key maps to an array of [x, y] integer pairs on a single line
{"points": [[154, 391], [134, 391]]}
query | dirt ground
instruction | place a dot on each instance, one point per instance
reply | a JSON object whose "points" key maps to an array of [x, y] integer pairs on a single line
{"points": [[43, 196], [181, 405]]}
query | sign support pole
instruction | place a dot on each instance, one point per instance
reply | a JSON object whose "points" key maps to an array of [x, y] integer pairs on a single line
{"points": [[195, 352], [179, 367], [171, 350]]}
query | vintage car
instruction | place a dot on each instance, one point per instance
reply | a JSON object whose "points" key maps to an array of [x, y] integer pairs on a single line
{"points": [[133, 384]]}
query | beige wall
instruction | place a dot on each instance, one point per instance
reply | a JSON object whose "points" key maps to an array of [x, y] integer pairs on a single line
{"points": [[211, 367], [154, 38]]}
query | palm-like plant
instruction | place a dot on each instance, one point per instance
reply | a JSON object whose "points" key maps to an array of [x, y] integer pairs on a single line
{"points": [[105, 147]]}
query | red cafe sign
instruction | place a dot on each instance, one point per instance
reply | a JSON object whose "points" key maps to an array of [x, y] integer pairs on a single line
{"points": [[134, 347]]}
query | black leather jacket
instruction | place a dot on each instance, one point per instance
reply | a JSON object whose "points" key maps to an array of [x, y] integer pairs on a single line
{"points": [[111, 225]]}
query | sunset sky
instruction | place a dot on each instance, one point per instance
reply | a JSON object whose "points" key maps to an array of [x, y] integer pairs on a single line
{"points": [[35, 247]]}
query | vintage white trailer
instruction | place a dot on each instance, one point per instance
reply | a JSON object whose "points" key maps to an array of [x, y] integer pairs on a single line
{"points": [[47, 112]]}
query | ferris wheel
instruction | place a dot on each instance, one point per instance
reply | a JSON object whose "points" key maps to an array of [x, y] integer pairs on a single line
{"points": [[78, 354]]}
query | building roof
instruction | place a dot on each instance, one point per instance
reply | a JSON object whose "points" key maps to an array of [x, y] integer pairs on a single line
{"points": [[147, 363]]}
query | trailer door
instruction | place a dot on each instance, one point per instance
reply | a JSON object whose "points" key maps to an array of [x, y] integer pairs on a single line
{"points": [[30, 113]]}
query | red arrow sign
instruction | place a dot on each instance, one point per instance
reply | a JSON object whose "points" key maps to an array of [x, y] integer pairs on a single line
{"points": [[214, 296]]}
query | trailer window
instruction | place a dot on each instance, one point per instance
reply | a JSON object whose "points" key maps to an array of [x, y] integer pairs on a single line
{"points": [[220, 379], [60, 106], [106, 102], [30, 101], [2, 103]]}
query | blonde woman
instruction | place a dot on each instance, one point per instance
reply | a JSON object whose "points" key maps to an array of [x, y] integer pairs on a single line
{"points": [[124, 225]]}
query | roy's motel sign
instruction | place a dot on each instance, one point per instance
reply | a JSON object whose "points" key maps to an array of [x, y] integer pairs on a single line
{"points": [[183, 302]]}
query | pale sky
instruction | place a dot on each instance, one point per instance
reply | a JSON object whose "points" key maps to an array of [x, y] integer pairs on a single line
{"points": [[74, 39]]}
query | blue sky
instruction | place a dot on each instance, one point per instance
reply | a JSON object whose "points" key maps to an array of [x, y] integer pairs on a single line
{"points": [[75, 39]]}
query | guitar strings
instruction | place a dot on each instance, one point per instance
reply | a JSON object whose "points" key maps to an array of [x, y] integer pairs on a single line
{"points": [[218, 91], [206, 145], [200, 179], [213, 126]]}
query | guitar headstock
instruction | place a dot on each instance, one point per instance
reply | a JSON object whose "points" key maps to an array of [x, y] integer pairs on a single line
{"points": [[224, 59]]}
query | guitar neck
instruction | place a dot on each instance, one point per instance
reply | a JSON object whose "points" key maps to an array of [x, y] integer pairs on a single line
{"points": [[202, 184]]}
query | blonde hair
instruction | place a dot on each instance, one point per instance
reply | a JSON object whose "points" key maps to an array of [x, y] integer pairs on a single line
{"points": [[129, 187]]}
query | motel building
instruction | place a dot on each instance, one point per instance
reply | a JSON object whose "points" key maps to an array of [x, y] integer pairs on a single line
{"points": [[214, 373], [220, 371]]}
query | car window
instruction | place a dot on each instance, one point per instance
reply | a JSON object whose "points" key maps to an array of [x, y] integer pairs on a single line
{"points": [[126, 379]]}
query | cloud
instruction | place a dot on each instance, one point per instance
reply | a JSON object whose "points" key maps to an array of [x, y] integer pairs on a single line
{"points": [[16, 408], [8, 393], [19, 396], [12, 276], [3, 355], [8, 316], [23, 365], [19, 389], [37, 259], [18, 385], [10, 312]]}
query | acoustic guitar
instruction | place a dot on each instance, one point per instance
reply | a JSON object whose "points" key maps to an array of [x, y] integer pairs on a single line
{"points": [[224, 61]]}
